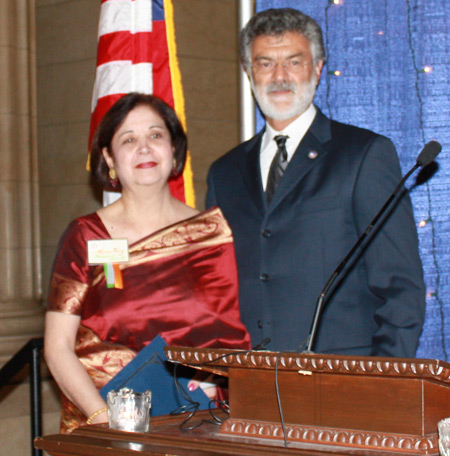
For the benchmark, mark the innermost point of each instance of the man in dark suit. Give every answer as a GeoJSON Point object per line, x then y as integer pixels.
{"type": "Point", "coordinates": [299, 194]}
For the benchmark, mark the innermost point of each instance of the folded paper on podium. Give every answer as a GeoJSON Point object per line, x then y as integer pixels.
{"type": "Point", "coordinates": [360, 403]}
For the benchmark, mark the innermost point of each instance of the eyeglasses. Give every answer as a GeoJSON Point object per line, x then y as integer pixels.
{"type": "Point", "coordinates": [264, 66]}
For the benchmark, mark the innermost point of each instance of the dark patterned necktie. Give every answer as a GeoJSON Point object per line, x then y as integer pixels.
{"type": "Point", "coordinates": [277, 168]}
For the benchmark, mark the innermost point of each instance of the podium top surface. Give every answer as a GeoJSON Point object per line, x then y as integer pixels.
{"type": "Point", "coordinates": [219, 361]}
{"type": "Point", "coordinates": [165, 438]}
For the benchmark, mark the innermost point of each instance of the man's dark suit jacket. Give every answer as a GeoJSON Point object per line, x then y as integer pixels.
{"type": "Point", "coordinates": [336, 182]}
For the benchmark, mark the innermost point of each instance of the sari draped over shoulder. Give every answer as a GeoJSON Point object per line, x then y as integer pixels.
{"type": "Point", "coordinates": [180, 282]}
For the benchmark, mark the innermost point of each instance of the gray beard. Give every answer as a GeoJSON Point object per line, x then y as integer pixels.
{"type": "Point", "coordinates": [299, 105]}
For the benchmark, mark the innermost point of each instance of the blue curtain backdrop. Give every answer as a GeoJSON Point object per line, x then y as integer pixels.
{"type": "Point", "coordinates": [388, 70]}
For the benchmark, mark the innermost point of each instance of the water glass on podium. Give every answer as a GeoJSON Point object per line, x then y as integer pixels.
{"type": "Point", "coordinates": [444, 437]}
{"type": "Point", "coordinates": [128, 410]}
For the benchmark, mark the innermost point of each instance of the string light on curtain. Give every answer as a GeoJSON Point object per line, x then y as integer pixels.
{"type": "Point", "coordinates": [423, 223]}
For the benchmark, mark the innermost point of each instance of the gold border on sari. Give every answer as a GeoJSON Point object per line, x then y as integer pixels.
{"type": "Point", "coordinates": [66, 295]}
{"type": "Point", "coordinates": [203, 230]}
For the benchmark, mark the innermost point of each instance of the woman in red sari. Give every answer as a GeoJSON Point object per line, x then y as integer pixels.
{"type": "Point", "coordinates": [180, 280]}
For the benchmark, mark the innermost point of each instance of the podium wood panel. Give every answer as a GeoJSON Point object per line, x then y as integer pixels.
{"type": "Point", "coordinates": [365, 403]}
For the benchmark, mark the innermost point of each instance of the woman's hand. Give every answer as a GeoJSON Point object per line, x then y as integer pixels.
{"type": "Point", "coordinates": [206, 384]}
{"type": "Point", "coordinates": [100, 418]}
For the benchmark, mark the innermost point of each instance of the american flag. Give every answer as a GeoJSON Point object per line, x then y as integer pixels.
{"type": "Point", "coordinates": [137, 53]}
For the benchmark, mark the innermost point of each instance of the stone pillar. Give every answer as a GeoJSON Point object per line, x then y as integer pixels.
{"type": "Point", "coordinates": [21, 315]}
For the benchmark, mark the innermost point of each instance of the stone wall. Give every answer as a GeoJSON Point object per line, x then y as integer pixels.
{"type": "Point", "coordinates": [48, 56]}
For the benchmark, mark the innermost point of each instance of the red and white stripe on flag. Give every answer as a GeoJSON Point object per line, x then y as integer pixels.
{"type": "Point", "coordinates": [137, 53]}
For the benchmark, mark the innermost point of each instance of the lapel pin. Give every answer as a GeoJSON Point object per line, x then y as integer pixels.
{"type": "Point", "coordinates": [312, 154]}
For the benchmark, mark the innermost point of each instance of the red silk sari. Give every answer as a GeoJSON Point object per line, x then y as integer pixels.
{"type": "Point", "coordinates": [180, 282]}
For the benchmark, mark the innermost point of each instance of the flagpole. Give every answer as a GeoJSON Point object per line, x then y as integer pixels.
{"type": "Point", "coordinates": [247, 105]}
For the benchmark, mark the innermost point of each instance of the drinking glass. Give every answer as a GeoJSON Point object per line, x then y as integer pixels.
{"type": "Point", "coordinates": [444, 437]}
{"type": "Point", "coordinates": [128, 410]}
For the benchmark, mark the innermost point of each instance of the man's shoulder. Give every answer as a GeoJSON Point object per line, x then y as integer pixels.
{"type": "Point", "coordinates": [346, 133]}
{"type": "Point", "coordinates": [234, 156]}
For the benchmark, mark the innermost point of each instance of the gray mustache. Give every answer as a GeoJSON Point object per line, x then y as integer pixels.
{"type": "Point", "coordinates": [275, 86]}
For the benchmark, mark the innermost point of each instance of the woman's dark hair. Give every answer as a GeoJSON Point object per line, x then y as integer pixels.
{"type": "Point", "coordinates": [113, 120]}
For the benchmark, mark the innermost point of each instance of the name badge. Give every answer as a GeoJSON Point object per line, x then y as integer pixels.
{"type": "Point", "coordinates": [104, 251]}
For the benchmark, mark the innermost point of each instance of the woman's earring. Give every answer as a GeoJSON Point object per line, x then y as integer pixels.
{"type": "Point", "coordinates": [113, 179]}
{"type": "Point", "coordinates": [174, 167]}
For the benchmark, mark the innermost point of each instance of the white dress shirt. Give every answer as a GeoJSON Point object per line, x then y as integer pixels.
{"type": "Point", "coordinates": [295, 131]}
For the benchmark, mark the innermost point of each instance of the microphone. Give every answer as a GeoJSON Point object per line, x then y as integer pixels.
{"type": "Point", "coordinates": [426, 156]}
{"type": "Point", "coordinates": [262, 344]}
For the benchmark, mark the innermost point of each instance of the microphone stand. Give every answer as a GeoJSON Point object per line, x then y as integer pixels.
{"type": "Point", "coordinates": [428, 154]}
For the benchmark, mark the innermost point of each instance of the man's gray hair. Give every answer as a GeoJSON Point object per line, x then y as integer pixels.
{"type": "Point", "coordinates": [276, 22]}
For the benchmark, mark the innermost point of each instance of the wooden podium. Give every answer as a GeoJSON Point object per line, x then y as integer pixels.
{"type": "Point", "coordinates": [332, 405]}
{"type": "Point", "coordinates": [357, 403]}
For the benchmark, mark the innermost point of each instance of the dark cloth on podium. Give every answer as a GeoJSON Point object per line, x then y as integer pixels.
{"type": "Point", "coordinates": [150, 370]}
